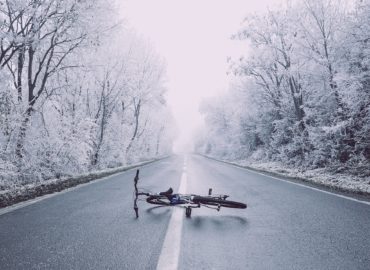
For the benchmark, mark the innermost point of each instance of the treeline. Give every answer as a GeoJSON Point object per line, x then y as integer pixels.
{"type": "Point", "coordinates": [301, 93]}
{"type": "Point", "coordinates": [78, 91]}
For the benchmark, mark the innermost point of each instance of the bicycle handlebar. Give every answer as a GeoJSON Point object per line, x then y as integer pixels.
{"type": "Point", "coordinates": [137, 193]}
{"type": "Point", "coordinates": [136, 179]}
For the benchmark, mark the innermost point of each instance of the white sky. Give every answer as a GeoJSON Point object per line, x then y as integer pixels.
{"type": "Point", "coordinates": [194, 38]}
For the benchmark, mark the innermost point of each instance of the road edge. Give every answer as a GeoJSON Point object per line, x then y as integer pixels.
{"type": "Point", "coordinates": [300, 180]}
{"type": "Point", "coordinates": [56, 185]}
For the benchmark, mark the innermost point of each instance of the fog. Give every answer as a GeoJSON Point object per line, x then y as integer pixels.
{"type": "Point", "coordinates": [194, 38]}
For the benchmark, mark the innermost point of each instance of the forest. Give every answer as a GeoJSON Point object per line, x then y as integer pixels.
{"type": "Point", "coordinates": [299, 97]}
{"type": "Point", "coordinates": [79, 92]}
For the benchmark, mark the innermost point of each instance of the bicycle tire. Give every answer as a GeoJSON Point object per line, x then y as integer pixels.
{"type": "Point", "coordinates": [158, 199]}
{"type": "Point", "coordinates": [219, 202]}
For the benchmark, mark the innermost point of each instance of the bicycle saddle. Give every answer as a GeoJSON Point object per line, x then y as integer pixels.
{"type": "Point", "coordinates": [167, 193]}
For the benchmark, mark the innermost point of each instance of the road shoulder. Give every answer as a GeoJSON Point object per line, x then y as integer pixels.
{"type": "Point", "coordinates": [354, 192]}
{"type": "Point", "coordinates": [29, 192]}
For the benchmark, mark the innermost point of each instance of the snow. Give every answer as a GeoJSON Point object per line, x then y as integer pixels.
{"type": "Point", "coordinates": [299, 106]}
{"type": "Point", "coordinates": [17, 193]}
{"type": "Point", "coordinates": [322, 176]}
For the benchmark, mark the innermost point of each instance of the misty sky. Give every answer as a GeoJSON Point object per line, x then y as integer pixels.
{"type": "Point", "coordinates": [194, 38]}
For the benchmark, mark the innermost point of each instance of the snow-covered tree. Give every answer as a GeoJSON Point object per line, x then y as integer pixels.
{"type": "Point", "coordinates": [303, 92]}
{"type": "Point", "coordinates": [78, 91]}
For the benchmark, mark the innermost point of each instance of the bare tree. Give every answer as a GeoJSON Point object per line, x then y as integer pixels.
{"type": "Point", "coordinates": [53, 33]}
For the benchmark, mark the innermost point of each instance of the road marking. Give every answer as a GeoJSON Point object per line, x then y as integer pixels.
{"type": "Point", "coordinates": [302, 185]}
{"type": "Point", "coordinates": [169, 257]}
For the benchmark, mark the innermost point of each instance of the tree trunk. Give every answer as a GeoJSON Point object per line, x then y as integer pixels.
{"type": "Point", "coordinates": [27, 115]}
{"type": "Point", "coordinates": [136, 115]}
{"type": "Point", "coordinates": [296, 93]}
{"type": "Point", "coordinates": [20, 71]}
{"type": "Point", "coordinates": [22, 134]}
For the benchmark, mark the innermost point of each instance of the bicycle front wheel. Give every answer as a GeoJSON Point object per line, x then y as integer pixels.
{"type": "Point", "coordinates": [158, 199]}
{"type": "Point", "coordinates": [219, 202]}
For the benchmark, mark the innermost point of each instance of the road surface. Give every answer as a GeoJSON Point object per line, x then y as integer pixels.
{"type": "Point", "coordinates": [286, 226]}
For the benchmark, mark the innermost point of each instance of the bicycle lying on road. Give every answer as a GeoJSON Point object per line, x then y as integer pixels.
{"type": "Point", "coordinates": [187, 201]}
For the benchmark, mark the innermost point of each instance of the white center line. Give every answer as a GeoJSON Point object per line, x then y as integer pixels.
{"type": "Point", "coordinates": [169, 257]}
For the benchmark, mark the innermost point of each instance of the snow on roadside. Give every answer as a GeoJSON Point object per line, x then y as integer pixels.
{"type": "Point", "coordinates": [26, 192]}
{"type": "Point", "coordinates": [319, 176]}
{"type": "Point", "coordinates": [338, 181]}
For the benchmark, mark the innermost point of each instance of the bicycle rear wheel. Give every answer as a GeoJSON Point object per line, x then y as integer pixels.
{"type": "Point", "coordinates": [219, 202]}
{"type": "Point", "coordinates": [158, 199]}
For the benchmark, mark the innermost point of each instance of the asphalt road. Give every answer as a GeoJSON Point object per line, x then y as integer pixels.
{"type": "Point", "coordinates": [285, 226]}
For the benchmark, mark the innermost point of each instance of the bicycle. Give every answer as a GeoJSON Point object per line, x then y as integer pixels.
{"type": "Point", "coordinates": [187, 201]}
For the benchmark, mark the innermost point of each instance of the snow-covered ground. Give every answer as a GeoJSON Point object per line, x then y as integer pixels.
{"type": "Point", "coordinates": [17, 193]}
{"type": "Point", "coordinates": [322, 176]}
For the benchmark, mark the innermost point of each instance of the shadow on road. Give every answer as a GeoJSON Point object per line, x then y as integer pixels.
{"type": "Point", "coordinates": [218, 222]}
{"type": "Point", "coordinates": [158, 212]}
